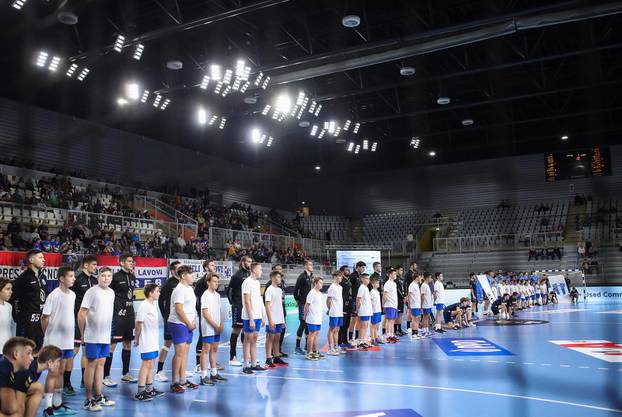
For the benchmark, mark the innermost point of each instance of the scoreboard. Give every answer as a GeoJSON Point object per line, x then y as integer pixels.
{"type": "Point", "coordinates": [582, 163]}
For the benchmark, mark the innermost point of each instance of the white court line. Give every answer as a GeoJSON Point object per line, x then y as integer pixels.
{"type": "Point", "coordinates": [564, 366]}
{"type": "Point", "coordinates": [584, 367]}
{"type": "Point", "coordinates": [603, 369]}
{"type": "Point", "coordinates": [546, 364]}
{"type": "Point", "coordinates": [199, 401]}
{"type": "Point", "coordinates": [527, 363]}
{"type": "Point", "coordinates": [510, 362]}
{"type": "Point", "coordinates": [469, 391]}
{"type": "Point", "coordinates": [475, 360]}
{"type": "Point", "coordinates": [459, 360]}
{"type": "Point", "coordinates": [315, 369]}
{"type": "Point", "coordinates": [492, 361]}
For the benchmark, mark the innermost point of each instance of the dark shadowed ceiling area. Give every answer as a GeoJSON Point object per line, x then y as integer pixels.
{"type": "Point", "coordinates": [524, 73]}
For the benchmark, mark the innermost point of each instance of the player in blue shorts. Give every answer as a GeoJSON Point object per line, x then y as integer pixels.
{"type": "Point", "coordinates": [212, 326]}
{"type": "Point", "coordinates": [414, 303]}
{"type": "Point", "coordinates": [334, 302]}
{"type": "Point", "coordinates": [439, 302]}
{"type": "Point", "coordinates": [427, 302]}
{"type": "Point", "coordinates": [376, 308]}
{"type": "Point", "coordinates": [363, 306]}
{"type": "Point", "coordinates": [252, 319]}
{"type": "Point", "coordinates": [147, 337]}
{"type": "Point", "coordinates": [95, 323]}
{"type": "Point", "coordinates": [276, 320]}
{"type": "Point", "coordinates": [58, 324]}
{"type": "Point", "coordinates": [390, 303]}
{"type": "Point", "coordinates": [313, 318]}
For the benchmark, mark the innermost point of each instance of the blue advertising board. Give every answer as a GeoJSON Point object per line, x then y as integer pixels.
{"type": "Point", "coordinates": [471, 347]}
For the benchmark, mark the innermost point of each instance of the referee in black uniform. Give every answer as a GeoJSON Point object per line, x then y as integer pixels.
{"type": "Point", "coordinates": [346, 294]}
{"type": "Point", "coordinates": [301, 290]}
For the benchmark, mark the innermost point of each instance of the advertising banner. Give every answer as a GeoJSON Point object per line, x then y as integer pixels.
{"type": "Point", "coordinates": [557, 283]}
{"type": "Point", "coordinates": [146, 270]}
{"type": "Point", "coordinates": [599, 349]}
{"type": "Point", "coordinates": [14, 263]}
{"type": "Point", "coordinates": [470, 347]}
{"type": "Point", "coordinates": [223, 268]}
{"type": "Point", "coordinates": [602, 295]}
{"type": "Point", "coordinates": [483, 280]}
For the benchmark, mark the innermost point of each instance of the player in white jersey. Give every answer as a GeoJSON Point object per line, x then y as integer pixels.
{"type": "Point", "coordinates": [147, 338]}
{"type": "Point", "coordinates": [439, 302]}
{"type": "Point", "coordinates": [427, 302]}
{"type": "Point", "coordinates": [414, 303]}
{"type": "Point", "coordinates": [252, 315]}
{"type": "Point", "coordinates": [58, 324]}
{"type": "Point", "coordinates": [334, 302]}
{"type": "Point", "coordinates": [275, 320]}
{"type": "Point", "coordinates": [313, 317]}
{"type": "Point", "coordinates": [95, 323]}
{"type": "Point", "coordinates": [376, 309]}
{"type": "Point", "coordinates": [390, 303]}
{"type": "Point", "coordinates": [212, 325]}
{"type": "Point", "coordinates": [6, 311]}
{"type": "Point", "coordinates": [364, 309]}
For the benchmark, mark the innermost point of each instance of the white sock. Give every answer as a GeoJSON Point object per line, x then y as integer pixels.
{"type": "Point", "coordinates": [203, 373]}
{"type": "Point", "coordinates": [214, 371]}
{"type": "Point", "coordinates": [47, 398]}
{"type": "Point", "coordinates": [57, 397]}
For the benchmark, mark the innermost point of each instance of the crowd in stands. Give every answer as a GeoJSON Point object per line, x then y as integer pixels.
{"type": "Point", "coordinates": [550, 253]}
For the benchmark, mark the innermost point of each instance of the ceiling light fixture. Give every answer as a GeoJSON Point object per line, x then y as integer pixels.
{"type": "Point", "coordinates": [357, 149]}
{"type": "Point", "coordinates": [71, 70]}
{"type": "Point", "coordinates": [415, 141]}
{"type": "Point", "coordinates": [365, 144]}
{"type": "Point", "coordinates": [468, 122]}
{"type": "Point", "coordinates": [223, 121]}
{"type": "Point", "coordinates": [565, 137]}
{"type": "Point", "coordinates": [350, 146]}
{"type": "Point", "coordinates": [202, 116]}
{"type": "Point", "coordinates": [407, 71]}
{"type": "Point", "coordinates": [317, 167]}
{"type": "Point", "coordinates": [432, 153]}
{"type": "Point", "coordinates": [118, 43]}
{"type": "Point", "coordinates": [54, 64]}
{"type": "Point", "coordinates": [215, 72]}
{"type": "Point", "coordinates": [132, 91]}
{"type": "Point", "coordinates": [374, 146]}
{"type": "Point", "coordinates": [443, 101]}
{"type": "Point", "coordinates": [18, 4]}
{"type": "Point", "coordinates": [314, 130]}
{"type": "Point", "coordinates": [165, 104]}
{"type": "Point", "coordinates": [138, 51]}
{"type": "Point", "coordinates": [204, 82]}
{"type": "Point", "coordinates": [145, 96]}
{"type": "Point", "coordinates": [156, 101]}
{"type": "Point", "coordinates": [83, 74]}
{"type": "Point", "coordinates": [42, 59]}
{"type": "Point", "coordinates": [351, 21]}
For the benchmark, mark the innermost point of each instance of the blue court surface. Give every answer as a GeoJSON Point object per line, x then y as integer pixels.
{"type": "Point", "coordinates": [516, 370]}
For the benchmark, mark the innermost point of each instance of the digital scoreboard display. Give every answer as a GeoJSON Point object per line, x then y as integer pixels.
{"type": "Point", "coordinates": [582, 163]}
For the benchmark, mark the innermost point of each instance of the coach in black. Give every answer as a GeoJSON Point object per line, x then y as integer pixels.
{"type": "Point", "coordinates": [29, 294]}
{"type": "Point", "coordinates": [234, 295]}
{"type": "Point", "coordinates": [346, 294]}
{"type": "Point", "coordinates": [301, 290]}
{"type": "Point", "coordinates": [123, 284]}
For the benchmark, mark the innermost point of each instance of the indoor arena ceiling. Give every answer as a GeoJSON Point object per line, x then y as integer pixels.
{"type": "Point", "coordinates": [518, 75]}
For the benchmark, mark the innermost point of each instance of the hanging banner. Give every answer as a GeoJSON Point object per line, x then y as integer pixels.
{"type": "Point", "coordinates": [146, 270]}
{"type": "Point", "coordinates": [223, 268]}
{"type": "Point", "coordinates": [557, 283]}
{"type": "Point", "coordinates": [483, 281]}
{"type": "Point", "coordinates": [12, 264]}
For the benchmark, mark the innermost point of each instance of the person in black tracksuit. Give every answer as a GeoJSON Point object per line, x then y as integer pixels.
{"type": "Point", "coordinates": [399, 281]}
{"type": "Point", "coordinates": [346, 294]}
{"type": "Point", "coordinates": [301, 290]}
{"type": "Point", "coordinates": [408, 279]}
{"type": "Point", "coordinates": [84, 280]}
{"type": "Point", "coordinates": [123, 319]}
{"type": "Point", "coordinates": [199, 288]}
{"type": "Point", "coordinates": [283, 287]}
{"type": "Point", "coordinates": [29, 295]}
{"type": "Point", "coordinates": [234, 295]}
{"type": "Point", "coordinates": [164, 302]}
{"type": "Point", "coordinates": [355, 283]}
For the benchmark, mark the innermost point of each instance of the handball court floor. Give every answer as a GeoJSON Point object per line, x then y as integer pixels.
{"type": "Point", "coordinates": [539, 378]}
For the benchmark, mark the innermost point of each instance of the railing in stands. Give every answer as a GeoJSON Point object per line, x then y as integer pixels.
{"type": "Point", "coordinates": [497, 242]}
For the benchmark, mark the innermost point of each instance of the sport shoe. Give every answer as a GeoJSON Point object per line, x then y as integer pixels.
{"type": "Point", "coordinates": [299, 351]}
{"type": "Point", "coordinates": [69, 391]}
{"type": "Point", "coordinates": [218, 378]}
{"type": "Point", "coordinates": [48, 412]}
{"type": "Point", "coordinates": [177, 388]}
{"type": "Point", "coordinates": [143, 396]}
{"type": "Point", "coordinates": [280, 362]}
{"type": "Point", "coordinates": [235, 362]}
{"type": "Point", "coordinates": [247, 370]}
{"type": "Point", "coordinates": [190, 385]}
{"type": "Point", "coordinates": [258, 367]}
{"type": "Point", "coordinates": [472, 325]}
{"type": "Point", "coordinates": [319, 355]}
{"type": "Point", "coordinates": [109, 382]}
{"type": "Point", "coordinates": [91, 405]}
{"type": "Point", "coordinates": [154, 393]}
{"type": "Point", "coordinates": [128, 379]}
{"type": "Point", "coordinates": [310, 357]}
{"type": "Point", "coordinates": [439, 330]}
{"type": "Point", "coordinates": [63, 410]}
{"type": "Point", "coordinates": [283, 355]}
{"type": "Point", "coordinates": [104, 402]}
{"type": "Point", "coordinates": [332, 352]}
{"type": "Point", "coordinates": [206, 380]}
{"type": "Point", "coordinates": [161, 377]}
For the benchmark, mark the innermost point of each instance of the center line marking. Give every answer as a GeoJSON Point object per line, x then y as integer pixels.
{"type": "Point", "coordinates": [546, 364]}
{"type": "Point", "coordinates": [584, 367]}
{"type": "Point", "coordinates": [527, 363]}
{"type": "Point", "coordinates": [510, 362]}
{"type": "Point", "coordinates": [493, 361]}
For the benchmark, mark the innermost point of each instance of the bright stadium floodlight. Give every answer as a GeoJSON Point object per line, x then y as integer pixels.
{"type": "Point", "coordinates": [145, 96]}
{"type": "Point", "coordinates": [202, 116]}
{"type": "Point", "coordinates": [18, 4]}
{"type": "Point", "coordinates": [218, 87]}
{"type": "Point", "coordinates": [312, 107]}
{"type": "Point", "coordinates": [255, 135]}
{"type": "Point", "coordinates": [346, 125]}
{"type": "Point", "coordinates": [374, 146]}
{"type": "Point", "coordinates": [236, 85]}
{"type": "Point", "coordinates": [223, 121]}
{"type": "Point", "coordinates": [138, 51]}
{"type": "Point", "coordinates": [226, 91]}
{"type": "Point", "coordinates": [54, 63]}
{"type": "Point", "coordinates": [365, 144]}
{"type": "Point", "coordinates": [42, 59]}
{"type": "Point", "coordinates": [263, 138]}
{"type": "Point", "coordinates": [118, 43]}
{"type": "Point", "coordinates": [228, 75]}
{"type": "Point", "coordinates": [283, 104]}
{"type": "Point", "coordinates": [245, 87]}
{"type": "Point", "coordinates": [301, 98]}
{"type": "Point", "coordinates": [215, 72]}
{"type": "Point", "coordinates": [132, 91]}
{"type": "Point", "coordinates": [212, 120]}
{"type": "Point", "coordinates": [270, 139]}
{"type": "Point", "coordinates": [357, 126]}
{"type": "Point", "coordinates": [322, 133]}
{"type": "Point", "coordinates": [258, 79]}
{"type": "Point", "coordinates": [204, 82]}
{"type": "Point", "coordinates": [246, 74]}
{"type": "Point", "coordinates": [266, 110]}
{"type": "Point", "coordinates": [122, 102]}
{"type": "Point", "coordinates": [83, 74]}
{"type": "Point", "coordinates": [317, 110]}
{"type": "Point", "coordinates": [357, 149]}
{"type": "Point", "coordinates": [239, 68]}
{"type": "Point", "coordinates": [350, 146]}
{"type": "Point", "coordinates": [72, 68]}
{"type": "Point", "coordinates": [330, 127]}
{"type": "Point", "coordinates": [337, 131]}
{"type": "Point", "coordinates": [314, 130]}
{"type": "Point", "coordinates": [165, 104]}
{"type": "Point", "coordinates": [265, 83]}
{"type": "Point", "coordinates": [156, 101]}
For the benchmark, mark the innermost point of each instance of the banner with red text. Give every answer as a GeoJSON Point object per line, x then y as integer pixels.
{"type": "Point", "coordinates": [12, 264]}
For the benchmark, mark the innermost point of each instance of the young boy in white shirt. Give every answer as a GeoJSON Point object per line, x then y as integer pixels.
{"type": "Point", "coordinates": [147, 337]}
{"type": "Point", "coordinates": [95, 323]}
{"type": "Point", "coordinates": [6, 311]}
{"type": "Point", "coordinates": [276, 319]}
{"type": "Point", "coordinates": [439, 302]}
{"type": "Point", "coordinates": [334, 302]}
{"type": "Point", "coordinates": [376, 309]}
{"type": "Point", "coordinates": [212, 325]}
{"type": "Point", "coordinates": [427, 302]}
{"type": "Point", "coordinates": [363, 306]}
{"type": "Point", "coordinates": [181, 324]}
{"type": "Point", "coordinates": [313, 318]}
{"type": "Point", "coordinates": [252, 314]}
{"type": "Point", "coordinates": [414, 303]}
{"type": "Point", "coordinates": [389, 300]}
{"type": "Point", "coordinates": [58, 324]}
